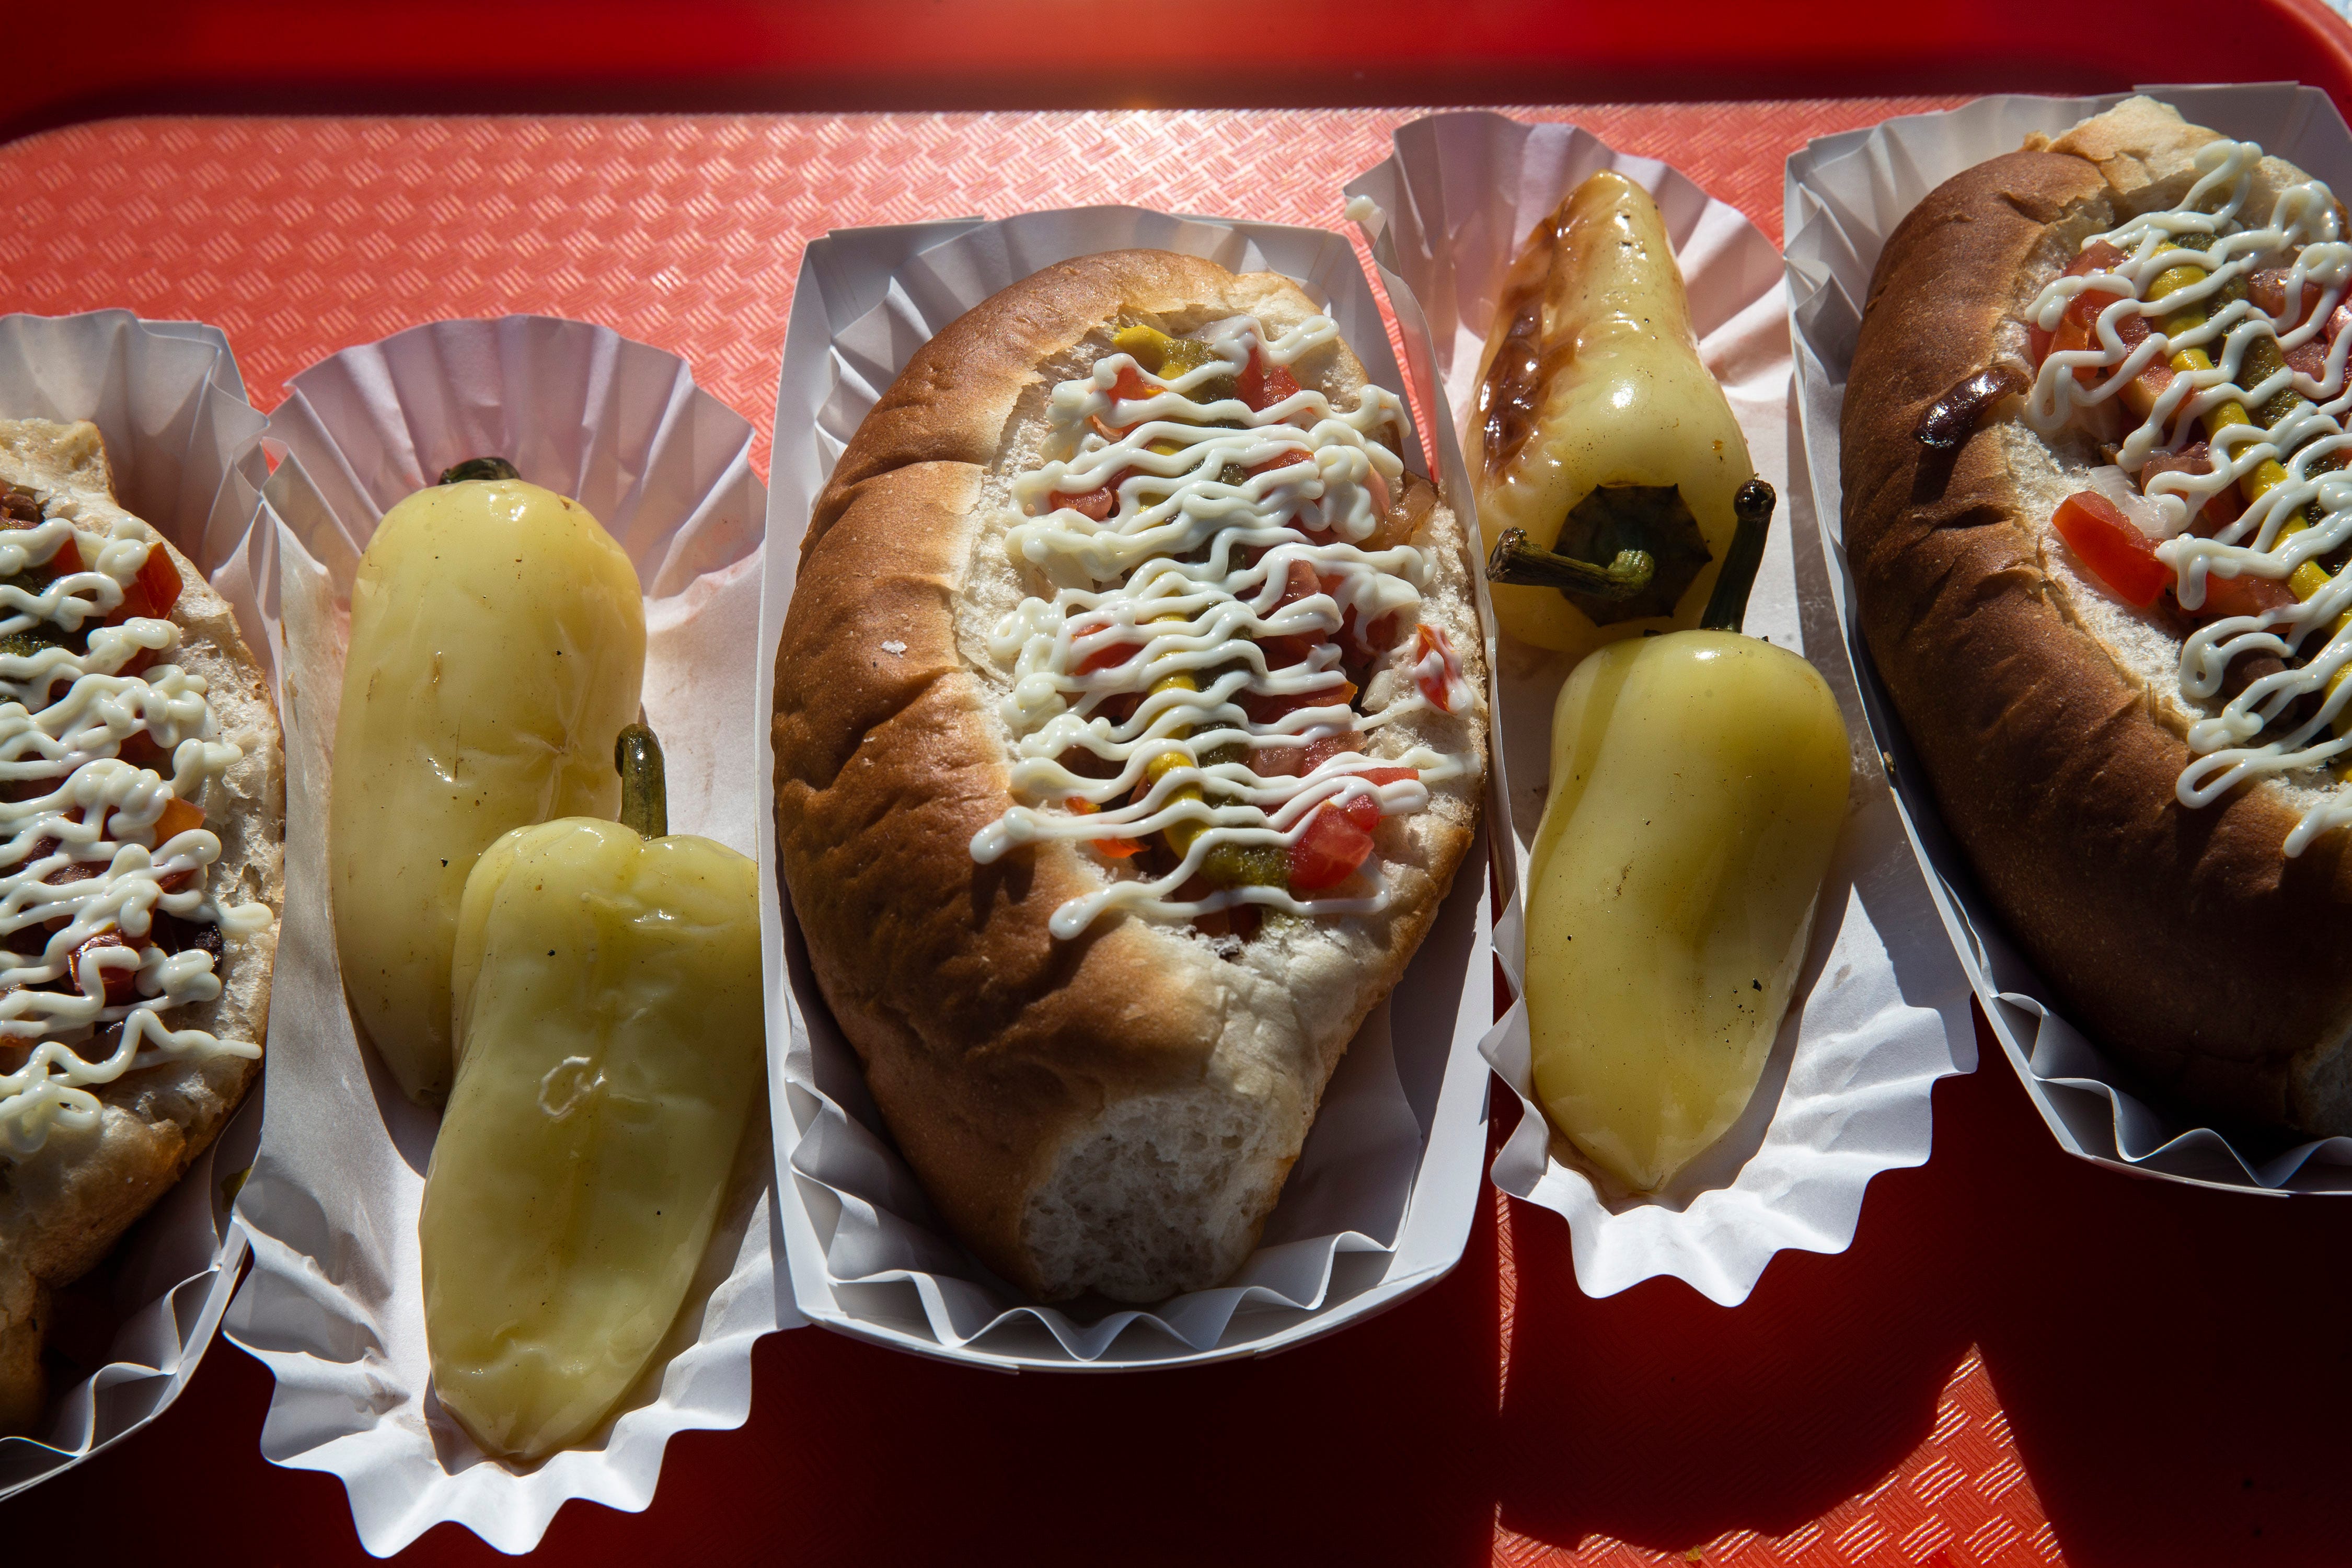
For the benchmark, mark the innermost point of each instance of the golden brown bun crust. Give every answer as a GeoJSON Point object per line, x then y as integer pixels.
{"type": "Point", "coordinates": [2185, 942]}
{"type": "Point", "coordinates": [986, 1040]}
{"type": "Point", "coordinates": [63, 1207]}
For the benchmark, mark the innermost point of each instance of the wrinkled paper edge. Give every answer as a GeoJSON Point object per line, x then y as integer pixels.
{"type": "Point", "coordinates": [333, 1305]}
{"type": "Point", "coordinates": [1879, 1013]}
{"type": "Point", "coordinates": [814, 1074]}
{"type": "Point", "coordinates": [171, 403]}
{"type": "Point", "coordinates": [1844, 196]}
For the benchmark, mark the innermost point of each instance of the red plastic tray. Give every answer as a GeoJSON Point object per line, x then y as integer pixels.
{"type": "Point", "coordinates": [2022, 1359]}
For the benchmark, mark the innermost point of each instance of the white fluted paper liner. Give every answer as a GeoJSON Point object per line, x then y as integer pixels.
{"type": "Point", "coordinates": [1844, 195]}
{"type": "Point", "coordinates": [1379, 1205]}
{"type": "Point", "coordinates": [169, 399]}
{"type": "Point", "coordinates": [1880, 1011]}
{"type": "Point", "coordinates": [334, 1305]}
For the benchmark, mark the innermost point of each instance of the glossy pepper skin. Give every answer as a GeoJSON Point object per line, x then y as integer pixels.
{"type": "Point", "coordinates": [609, 1051]}
{"type": "Point", "coordinates": [1596, 351]}
{"type": "Point", "coordinates": [497, 646]}
{"type": "Point", "coordinates": [1699, 781]}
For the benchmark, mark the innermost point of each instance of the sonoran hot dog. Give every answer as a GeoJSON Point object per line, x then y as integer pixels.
{"type": "Point", "coordinates": [1129, 728]}
{"type": "Point", "coordinates": [141, 850]}
{"type": "Point", "coordinates": [2111, 611]}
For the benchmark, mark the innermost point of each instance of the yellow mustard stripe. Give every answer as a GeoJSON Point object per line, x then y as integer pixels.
{"type": "Point", "coordinates": [2310, 577]}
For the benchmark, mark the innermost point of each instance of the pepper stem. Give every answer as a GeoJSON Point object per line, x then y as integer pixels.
{"type": "Point", "coordinates": [1518, 559]}
{"type": "Point", "coordinates": [644, 798]}
{"type": "Point", "coordinates": [1728, 606]}
{"type": "Point", "coordinates": [478, 469]}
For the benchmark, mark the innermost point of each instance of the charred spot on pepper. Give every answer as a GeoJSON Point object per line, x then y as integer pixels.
{"type": "Point", "coordinates": [478, 469]}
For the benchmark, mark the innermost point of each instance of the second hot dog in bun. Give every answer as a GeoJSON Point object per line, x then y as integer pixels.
{"type": "Point", "coordinates": [2091, 443]}
{"type": "Point", "coordinates": [1129, 728]}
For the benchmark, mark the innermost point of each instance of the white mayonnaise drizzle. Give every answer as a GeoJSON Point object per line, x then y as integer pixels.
{"type": "Point", "coordinates": [2303, 232]}
{"type": "Point", "coordinates": [92, 819]}
{"type": "Point", "coordinates": [1170, 573]}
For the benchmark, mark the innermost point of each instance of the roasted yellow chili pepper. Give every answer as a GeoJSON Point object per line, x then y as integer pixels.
{"type": "Point", "coordinates": [610, 1050]}
{"type": "Point", "coordinates": [1699, 781]}
{"type": "Point", "coordinates": [497, 646]}
{"type": "Point", "coordinates": [1598, 432]}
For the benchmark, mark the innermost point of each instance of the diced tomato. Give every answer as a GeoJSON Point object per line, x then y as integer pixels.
{"type": "Point", "coordinates": [1117, 848]}
{"type": "Point", "coordinates": [1296, 762]}
{"type": "Point", "coordinates": [2096, 257]}
{"type": "Point", "coordinates": [161, 579]}
{"type": "Point", "coordinates": [1330, 746]}
{"type": "Point", "coordinates": [2153, 377]}
{"type": "Point", "coordinates": [2267, 289]}
{"type": "Point", "coordinates": [1096, 505]}
{"type": "Point", "coordinates": [179, 816]}
{"type": "Point", "coordinates": [1364, 810]}
{"type": "Point", "coordinates": [1282, 652]}
{"type": "Point", "coordinates": [2310, 356]}
{"type": "Point", "coordinates": [1262, 386]}
{"type": "Point", "coordinates": [1106, 656]}
{"type": "Point", "coordinates": [1329, 851]}
{"type": "Point", "coordinates": [1289, 460]}
{"type": "Point", "coordinates": [68, 559]}
{"type": "Point", "coordinates": [2118, 553]}
{"type": "Point", "coordinates": [2078, 329]}
{"type": "Point", "coordinates": [1268, 708]}
{"type": "Point", "coordinates": [1299, 582]}
{"type": "Point", "coordinates": [1436, 666]}
{"type": "Point", "coordinates": [1387, 776]}
{"type": "Point", "coordinates": [2100, 257]}
{"type": "Point", "coordinates": [152, 594]}
{"type": "Point", "coordinates": [2245, 596]}
{"type": "Point", "coordinates": [121, 984]}
{"type": "Point", "coordinates": [1131, 387]}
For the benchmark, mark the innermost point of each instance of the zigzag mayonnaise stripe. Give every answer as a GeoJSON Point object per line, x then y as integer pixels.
{"type": "Point", "coordinates": [1216, 504]}
{"type": "Point", "coordinates": [86, 873]}
{"type": "Point", "coordinates": [2306, 517]}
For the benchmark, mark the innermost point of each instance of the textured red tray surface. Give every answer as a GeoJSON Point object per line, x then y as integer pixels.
{"type": "Point", "coordinates": [2022, 1359]}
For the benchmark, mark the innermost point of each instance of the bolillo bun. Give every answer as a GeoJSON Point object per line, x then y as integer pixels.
{"type": "Point", "coordinates": [1115, 1112]}
{"type": "Point", "coordinates": [2204, 960]}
